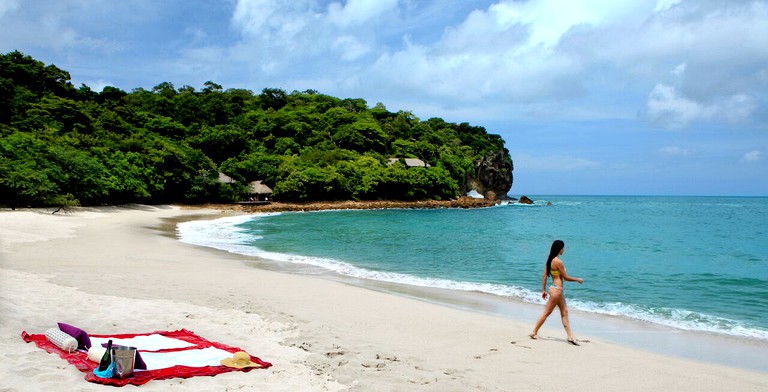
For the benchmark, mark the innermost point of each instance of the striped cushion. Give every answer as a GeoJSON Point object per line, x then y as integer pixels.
{"type": "Point", "coordinates": [61, 340]}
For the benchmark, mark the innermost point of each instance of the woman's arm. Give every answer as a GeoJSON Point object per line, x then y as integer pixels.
{"type": "Point", "coordinates": [567, 277]}
{"type": "Point", "coordinates": [544, 284]}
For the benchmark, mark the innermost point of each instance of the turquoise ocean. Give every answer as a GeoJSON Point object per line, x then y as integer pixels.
{"type": "Point", "coordinates": [688, 263]}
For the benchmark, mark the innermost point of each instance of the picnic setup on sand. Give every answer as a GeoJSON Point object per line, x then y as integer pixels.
{"type": "Point", "coordinates": [137, 358]}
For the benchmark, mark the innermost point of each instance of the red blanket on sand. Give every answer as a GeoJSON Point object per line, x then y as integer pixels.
{"type": "Point", "coordinates": [139, 377]}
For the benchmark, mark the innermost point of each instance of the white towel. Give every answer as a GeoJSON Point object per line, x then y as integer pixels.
{"type": "Point", "coordinates": [152, 342]}
{"type": "Point", "coordinates": [210, 356]}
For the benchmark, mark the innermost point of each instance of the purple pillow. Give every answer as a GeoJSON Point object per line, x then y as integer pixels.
{"type": "Point", "coordinates": [139, 363]}
{"type": "Point", "coordinates": [83, 341]}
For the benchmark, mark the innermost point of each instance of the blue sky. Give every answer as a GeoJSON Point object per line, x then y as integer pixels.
{"type": "Point", "coordinates": [666, 97]}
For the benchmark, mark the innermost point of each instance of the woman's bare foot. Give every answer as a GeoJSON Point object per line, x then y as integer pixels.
{"type": "Point", "coordinates": [572, 341]}
{"type": "Point", "coordinates": [533, 336]}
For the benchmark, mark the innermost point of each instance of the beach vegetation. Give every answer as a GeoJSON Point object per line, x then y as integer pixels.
{"type": "Point", "coordinates": [61, 144]}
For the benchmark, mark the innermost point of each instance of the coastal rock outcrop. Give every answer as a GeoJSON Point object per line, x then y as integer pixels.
{"type": "Point", "coordinates": [492, 177]}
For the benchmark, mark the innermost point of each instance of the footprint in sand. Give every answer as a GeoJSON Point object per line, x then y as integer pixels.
{"type": "Point", "coordinates": [420, 382]}
{"type": "Point", "coordinates": [492, 350]}
{"type": "Point", "coordinates": [304, 346]}
{"type": "Point", "coordinates": [513, 342]}
{"type": "Point", "coordinates": [387, 358]}
{"type": "Point", "coordinates": [334, 354]}
{"type": "Point", "coordinates": [368, 365]}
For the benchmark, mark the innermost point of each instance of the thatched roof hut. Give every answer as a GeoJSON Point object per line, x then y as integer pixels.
{"type": "Point", "coordinates": [257, 193]}
{"type": "Point", "coordinates": [259, 189]}
{"type": "Point", "coordinates": [225, 179]}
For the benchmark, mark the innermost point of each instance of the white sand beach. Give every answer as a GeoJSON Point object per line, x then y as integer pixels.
{"type": "Point", "coordinates": [117, 270]}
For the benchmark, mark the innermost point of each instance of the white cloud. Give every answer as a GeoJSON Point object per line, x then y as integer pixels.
{"type": "Point", "coordinates": [95, 85]}
{"type": "Point", "coordinates": [719, 44]}
{"type": "Point", "coordinates": [356, 12]}
{"type": "Point", "coordinates": [56, 26]}
{"type": "Point", "coordinates": [285, 38]}
{"type": "Point", "coordinates": [737, 108]}
{"type": "Point", "coordinates": [668, 108]}
{"type": "Point", "coordinates": [350, 47]}
{"type": "Point", "coordinates": [195, 34]}
{"type": "Point", "coordinates": [48, 31]}
{"type": "Point", "coordinates": [507, 52]}
{"type": "Point", "coordinates": [674, 151]}
{"type": "Point", "coordinates": [548, 21]}
{"type": "Point", "coordinates": [522, 53]}
{"type": "Point", "coordinates": [664, 5]}
{"type": "Point", "coordinates": [250, 16]}
{"type": "Point", "coordinates": [679, 70]}
{"type": "Point", "coordinates": [7, 6]}
{"type": "Point", "coordinates": [752, 156]}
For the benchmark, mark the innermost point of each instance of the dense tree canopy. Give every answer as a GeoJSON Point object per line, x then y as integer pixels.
{"type": "Point", "coordinates": [65, 145]}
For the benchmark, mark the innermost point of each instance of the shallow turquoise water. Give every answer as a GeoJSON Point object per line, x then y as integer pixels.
{"type": "Point", "coordinates": [695, 263]}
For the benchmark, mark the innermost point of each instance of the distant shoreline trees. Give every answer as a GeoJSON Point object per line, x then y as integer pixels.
{"type": "Point", "coordinates": [61, 145]}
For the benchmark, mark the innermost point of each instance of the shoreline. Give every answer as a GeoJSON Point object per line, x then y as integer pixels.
{"type": "Point", "coordinates": [319, 333]}
{"type": "Point", "coordinates": [462, 202]}
{"type": "Point", "coordinates": [712, 347]}
{"type": "Point", "coordinates": [709, 347]}
{"type": "Point", "coordinates": [646, 335]}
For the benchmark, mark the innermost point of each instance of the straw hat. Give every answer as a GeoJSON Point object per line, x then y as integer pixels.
{"type": "Point", "coordinates": [239, 360]}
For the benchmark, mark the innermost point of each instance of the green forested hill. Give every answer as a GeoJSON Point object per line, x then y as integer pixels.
{"type": "Point", "coordinates": [62, 145]}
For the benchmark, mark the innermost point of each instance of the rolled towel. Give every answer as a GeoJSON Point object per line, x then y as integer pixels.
{"type": "Point", "coordinates": [61, 340]}
{"type": "Point", "coordinates": [95, 353]}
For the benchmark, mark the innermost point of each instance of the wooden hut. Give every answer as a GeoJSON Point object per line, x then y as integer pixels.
{"type": "Point", "coordinates": [259, 192]}
{"type": "Point", "coordinates": [225, 179]}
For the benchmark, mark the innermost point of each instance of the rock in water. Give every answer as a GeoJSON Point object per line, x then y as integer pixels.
{"type": "Point", "coordinates": [525, 200]}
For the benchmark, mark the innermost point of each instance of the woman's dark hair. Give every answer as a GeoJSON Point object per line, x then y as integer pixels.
{"type": "Point", "coordinates": [557, 246]}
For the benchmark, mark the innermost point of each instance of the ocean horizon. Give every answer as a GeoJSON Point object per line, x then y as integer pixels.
{"type": "Point", "coordinates": [693, 263]}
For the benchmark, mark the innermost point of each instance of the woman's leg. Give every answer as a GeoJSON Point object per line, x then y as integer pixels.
{"type": "Point", "coordinates": [564, 316]}
{"type": "Point", "coordinates": [548, 308]}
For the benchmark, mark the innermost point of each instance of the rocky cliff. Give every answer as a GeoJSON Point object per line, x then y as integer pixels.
{"type": "Point", "coordinates": [492, 177]}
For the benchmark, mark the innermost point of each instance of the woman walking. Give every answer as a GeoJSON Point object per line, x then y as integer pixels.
{"type": "Point", "coordinates": [556, 269]}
